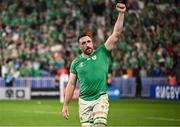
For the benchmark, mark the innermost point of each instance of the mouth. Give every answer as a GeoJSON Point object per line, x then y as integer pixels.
{"type": "Point", "coordinates": [88, 49]}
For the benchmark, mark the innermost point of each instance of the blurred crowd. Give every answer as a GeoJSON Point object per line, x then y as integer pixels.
{"type": "Point", "coordinates": [39, 37]}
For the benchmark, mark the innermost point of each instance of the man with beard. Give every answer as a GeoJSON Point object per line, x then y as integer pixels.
{"type": "Point", "coordinates": [91, 69]}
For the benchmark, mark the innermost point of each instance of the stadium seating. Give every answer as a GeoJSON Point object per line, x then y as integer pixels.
{"type": "Point", "coordinates": [38, 37]}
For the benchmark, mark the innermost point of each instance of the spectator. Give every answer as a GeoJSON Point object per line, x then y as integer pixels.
{"type": "Point", "coordinates": [46, 29]}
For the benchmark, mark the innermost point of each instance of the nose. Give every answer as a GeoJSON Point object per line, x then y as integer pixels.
{"type": "Point", "coordinates": [87, 44]}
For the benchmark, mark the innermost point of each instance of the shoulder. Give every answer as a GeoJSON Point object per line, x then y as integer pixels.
{"type": "Point", "coordinates": [102, 48]}
{"type": "Point", "coordinates": [77, 59]}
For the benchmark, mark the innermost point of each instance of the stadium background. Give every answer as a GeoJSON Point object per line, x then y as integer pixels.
{"type": "Point", "coordinates": [38, 41]}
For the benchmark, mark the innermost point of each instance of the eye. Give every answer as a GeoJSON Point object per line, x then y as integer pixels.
{"type": "Point", "coordinates": [83, 42]}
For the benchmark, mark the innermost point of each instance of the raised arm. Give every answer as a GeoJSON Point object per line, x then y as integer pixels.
{"type": "Point", "coordinates": [113, 39]}
{"type": "Point", "coordinates": [68, 94]}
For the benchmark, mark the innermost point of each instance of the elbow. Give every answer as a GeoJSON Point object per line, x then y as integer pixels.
{"type": "Point", "coordinates": [117, 33]}
{"type": "Point", "coordinates": [116, 36]}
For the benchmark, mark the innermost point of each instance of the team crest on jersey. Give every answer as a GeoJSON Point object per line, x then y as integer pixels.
{"type": "Point", "coordinates": [94, 57]}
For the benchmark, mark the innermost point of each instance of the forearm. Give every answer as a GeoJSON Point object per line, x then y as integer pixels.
{"type": "Point", "coordinates": [69, 93]}
{"type": "Point", "coordinates": [112, 41]}
{"type": "Point", "coordinates": [118, 27]}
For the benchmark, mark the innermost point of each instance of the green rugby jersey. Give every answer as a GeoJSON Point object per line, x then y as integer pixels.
{"type": "Point", "coordinates": [92, 73]}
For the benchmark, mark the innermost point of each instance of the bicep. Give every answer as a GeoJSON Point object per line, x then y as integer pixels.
{"type": "Point", "coordinates": [111, 42]}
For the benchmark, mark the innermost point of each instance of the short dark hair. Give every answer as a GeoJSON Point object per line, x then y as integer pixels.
{"type": "Point", "coordinates": [82, 35]}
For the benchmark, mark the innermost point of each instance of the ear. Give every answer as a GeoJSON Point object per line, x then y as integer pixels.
{"type": "Point", "coordinates": [79, 46]}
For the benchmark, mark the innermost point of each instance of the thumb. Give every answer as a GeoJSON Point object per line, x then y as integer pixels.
{"type": "Point", "coordinates": [65, 113]}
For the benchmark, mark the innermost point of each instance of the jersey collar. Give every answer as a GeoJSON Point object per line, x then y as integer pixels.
{"type": "Point", "coordinates": [86, 56]}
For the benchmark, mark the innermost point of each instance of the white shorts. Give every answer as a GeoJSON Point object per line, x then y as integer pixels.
{"type": "Point", "coordinates": [94, 112]}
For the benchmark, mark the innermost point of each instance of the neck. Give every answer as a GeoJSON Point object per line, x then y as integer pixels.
{"type": "Point", "coordinates": [86, 55]}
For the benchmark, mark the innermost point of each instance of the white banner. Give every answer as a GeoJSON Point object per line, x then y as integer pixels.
{"type": "Point", "coordinates": [13, 93]}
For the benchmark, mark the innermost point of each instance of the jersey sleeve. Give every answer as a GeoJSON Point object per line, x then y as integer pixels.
{"type": "Point", "coordinates": [105, 53]}
{"type": "Point", "coordinates": [72, 68]}
{"type": "Point", "coordinates": [108, 53]}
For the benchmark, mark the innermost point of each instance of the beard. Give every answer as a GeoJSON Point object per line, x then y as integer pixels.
{"type": "Point", "coordinates": [88, 51]}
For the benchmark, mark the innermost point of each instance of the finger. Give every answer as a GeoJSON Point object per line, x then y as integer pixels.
{"type": "Point", "coordinates": [121, 8]}
{"type": "Point", "coordinates": [65, 114]}
{"type": "Point", "coordinates": [121, 5]}
{"type": "Point", "coordinates": [66, 117]}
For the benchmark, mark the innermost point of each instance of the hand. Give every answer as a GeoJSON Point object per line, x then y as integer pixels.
{"type": "Point", "coordinates": [65, 112]}
{"type": "Point", "coordinates": [121, 7]}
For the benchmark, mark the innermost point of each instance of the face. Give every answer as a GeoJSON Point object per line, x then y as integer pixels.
{"type": "Point", "coordinates": [86, 45]}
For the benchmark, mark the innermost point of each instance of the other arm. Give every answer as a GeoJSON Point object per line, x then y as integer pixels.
{"type": "Point", "coordinates": [68, 94]}
{"type": "Point", "coordinates": [113, 39]}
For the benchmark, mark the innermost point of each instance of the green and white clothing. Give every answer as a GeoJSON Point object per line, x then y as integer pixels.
{"type": "Point", "coordinates": [92, 73]}
{"type": "Point", "coordinates": [94, 112]}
